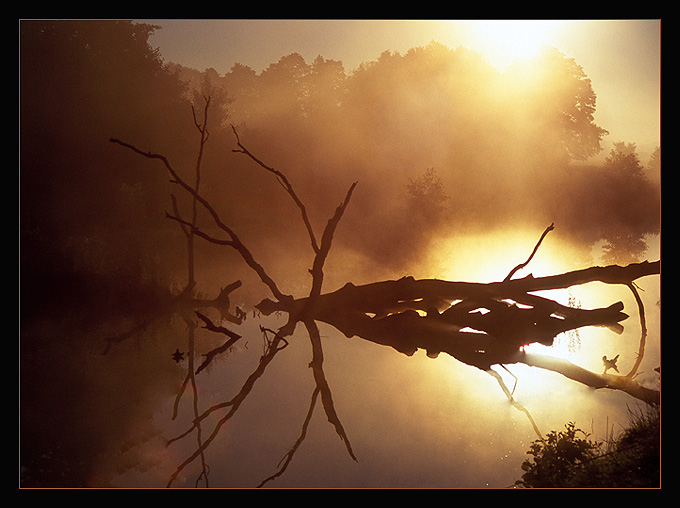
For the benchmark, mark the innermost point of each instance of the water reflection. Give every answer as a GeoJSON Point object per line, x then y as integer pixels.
{"type": "Point", "coordinates": [110, 417]}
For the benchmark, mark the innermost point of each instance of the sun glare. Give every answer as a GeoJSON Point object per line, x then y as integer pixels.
{"type": "Point", "coordinates": [489, 257]}
{"type": "Point", "coordinates": [504, 41]}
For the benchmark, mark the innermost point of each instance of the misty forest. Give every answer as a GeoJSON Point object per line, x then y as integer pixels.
{"type": "Point", "coordinates": [252, 278]}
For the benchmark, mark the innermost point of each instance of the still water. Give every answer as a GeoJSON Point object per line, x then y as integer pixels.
{"type": "Point", "coordinates": [412, 421]}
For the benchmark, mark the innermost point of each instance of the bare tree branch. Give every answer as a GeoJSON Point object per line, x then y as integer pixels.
{"type": "Point", "coordinates": [203, 131]}
{"type": "Point", "coordinates": [287, 459]}
{"type": "Point", "coordinates": [533, 253]}
{"type": "Point", "coordinates": [514, 402]}
{"type": "Point", "coordinates": [191, 282]}
{"type": "Point", "coordinates": [403, 294]}
{"type": "Point", "coordinates": [643, 330]}
{"type": "Point", "coordinates": [235, 242]}
{"type": "Point", "coordinates": [320, 378]}
{"type": "Point", "coordinates": [326, 240]}
{"type": "Point", "coordinates": [191, 229]}
{"type": "Point", "coordinates": [383, 313]}
{"type": "Point", "coordinates": [593, 379]}
{"type": "Point", "coordinates": [191, 379]}
{"type": "Point", "coordinates": [321, 253]}
{"type": "Point", "coordinates": [233, 338]}
{"type": "Point", "coordinates": [233, 405]}
{"type": "Point", "coordinates": [283, 180]}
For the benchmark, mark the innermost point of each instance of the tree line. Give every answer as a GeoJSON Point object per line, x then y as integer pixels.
{"type": "Point", "coordinates": [429, 134]}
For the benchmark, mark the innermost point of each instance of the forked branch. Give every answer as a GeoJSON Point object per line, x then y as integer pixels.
{"type": "Point", "coordinates": [303, 313]}
{"type": "Point", "coordinates": [321, 251]}
{"type": "Point", "coordinates": [277, 344]}
{"type": "Point", "coordinates": [233, 241]}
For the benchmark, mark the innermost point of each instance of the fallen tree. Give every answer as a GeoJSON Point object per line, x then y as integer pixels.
{"type": "Point", "coordinates": [481, 325]}
{"type": "Point", "coordinates": [478, 324]}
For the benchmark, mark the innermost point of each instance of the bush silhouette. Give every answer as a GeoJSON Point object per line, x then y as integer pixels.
{"type": "Point", "coordinates": [570, 459]}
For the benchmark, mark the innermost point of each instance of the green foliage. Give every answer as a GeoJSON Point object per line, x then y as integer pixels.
{"type": "Point", "coordinates": [558, 458]}
{"type": "Point", "coordinates": [570, 459]}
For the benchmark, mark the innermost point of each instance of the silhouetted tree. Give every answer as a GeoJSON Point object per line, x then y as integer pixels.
{"type": "Point", "coordinates": [81, 81]}
{"type": "Point", "coordinates": [654, 164]}
{"type": "Point", "coordinates": [89, 236]}
{"type": "Point", "coordinates": [558, 96]}
{"type": "Point", "coordinates": [504, 141]}
{"type": "Point", "coordinates": [426, 199]}
{"type": "Point", "coordinates": [626, 174]}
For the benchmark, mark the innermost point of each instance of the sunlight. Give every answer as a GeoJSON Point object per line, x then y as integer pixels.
{"type": "Point", "coordinates": [489, 257]}
{"type": "Point", "coordinates": [504, 41]}
{"type": "Point", "coordinates": [557, 350]}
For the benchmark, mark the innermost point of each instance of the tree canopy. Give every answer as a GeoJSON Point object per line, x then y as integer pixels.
{"type": "Point", "coordinates": [508, 144]}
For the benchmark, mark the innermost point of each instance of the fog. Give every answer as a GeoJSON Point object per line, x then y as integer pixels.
{"type": "Point", "coordinates": [499, 145]}
{"type": "Point", "coordinates": [460, 167]}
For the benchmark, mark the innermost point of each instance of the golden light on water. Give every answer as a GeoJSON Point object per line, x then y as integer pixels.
{"type": "Point", "coordinates": [478, 104]}
{"type": "Point", "coordinates": [489, 257]}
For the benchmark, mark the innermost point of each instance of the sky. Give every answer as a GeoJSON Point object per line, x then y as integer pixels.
{"type": "Point", "coordinates": [621, 57]}
{"type": "Point", "coordinates": [416, 421]}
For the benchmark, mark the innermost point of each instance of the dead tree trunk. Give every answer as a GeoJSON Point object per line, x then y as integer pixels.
{"type": "Point", "coordinates": [478, 324]}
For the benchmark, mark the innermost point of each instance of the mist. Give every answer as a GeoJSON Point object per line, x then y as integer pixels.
{"type": "Point", "coordinates": [450, 155]}
{"type": "Point", "coordinates": [506, 150]}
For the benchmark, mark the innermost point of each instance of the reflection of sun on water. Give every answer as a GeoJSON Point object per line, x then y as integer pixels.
{"type": "Point", "coordinates": [490, 257]}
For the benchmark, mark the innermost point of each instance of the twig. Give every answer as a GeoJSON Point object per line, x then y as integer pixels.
{"type": "Point", "coordinates": [322, 384]}
{"type": "Point", "coordinates": [283, 180]}
{"type": "Point", "coordinates": [514, 402]}
{"type": "Point", "coordinates": [592, 379]}
{"type": "Point", "coordinates": [643, 330]}
{"type": "Point", "coordinates": [515, 378]}
{"type": "Point", "coordinates": [326, 239]}
{"type": "Point", "coordinates": [522, 265]}
{"type": "Point", "coordinates": [232, 404]}
{"type": "Point", "coordinates": [191, 378]}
